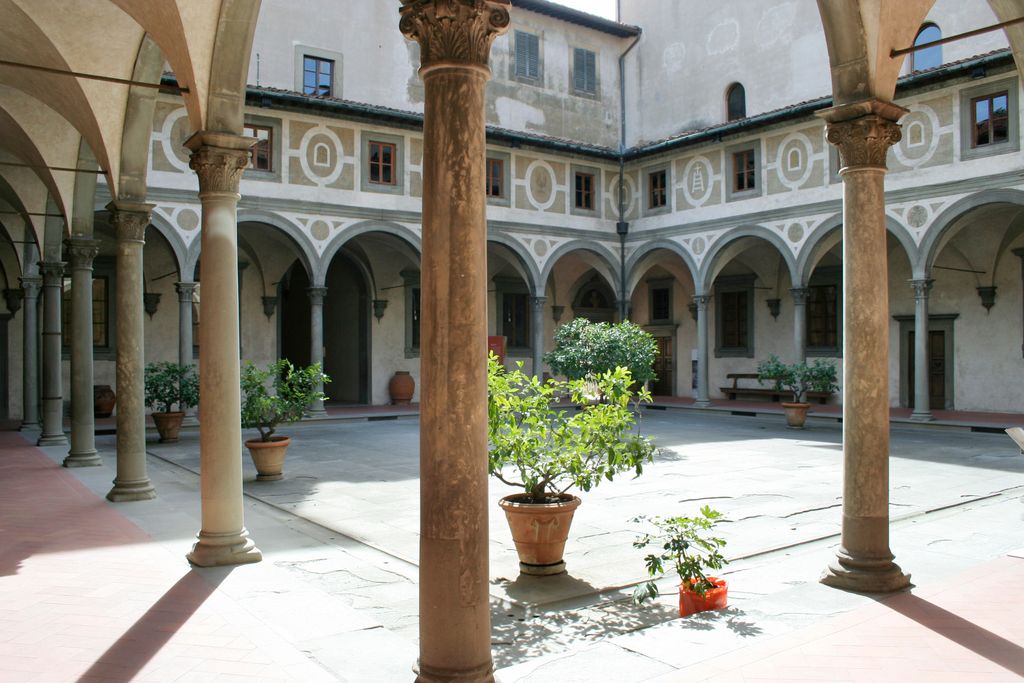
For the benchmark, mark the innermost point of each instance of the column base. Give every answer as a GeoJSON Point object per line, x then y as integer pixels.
{"type": "Point", "coordinates": [482, 674]}
{"type": "Point", "coordinates": [52, 440]}
{"type": "Point", "coordinates": [316, 414]}
{"type": "Point", "coordinates": [702, 404]}
{"type": "Point", "coordinates": [864, 575]}
{"type": "Point", "coordinates": [128, 491]}
{"type": "Point", "coordinates": [921, 417]}
{"type": "Point", "coordinates": [29, 427]}
{"type": "Point", "coordinates": [83, 459]}
{"type": "Point", "coordinates": [223, 549]}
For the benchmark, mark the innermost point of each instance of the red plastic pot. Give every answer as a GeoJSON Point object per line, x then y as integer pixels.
{"type": "Point", "coordinates": [713, 598]}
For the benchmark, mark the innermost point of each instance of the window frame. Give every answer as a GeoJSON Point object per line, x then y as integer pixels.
{"type": "Point", "coordinates": [734, 88]}
{"type": "Point", "coordinates": [734, 284]}
{"type": "Point", "coordinates": [649, 189]}
{"type": "Point", "coordinates": [380, 165]}
{"type": "Point", "coordinates": [513, 286]}
{"type": "Point", "coordinates": [916, 55]}
{"type": "Point", "coordinates": [660, 284]}
{"type": "Point", "coordinates": [822, 277]}
{"type": "Point", "coordinates": [398, 165]}
{"type": "Point", "coordinates": [970, 95]}
{"type": "Point", "coordinates": [505, 199]}
{"type": "Point", "coordinates": [274, 126]}
{"type": "Point", "coordinates": [575, 171]}
{"type": "Point", "coordinates": [523, 75]}
{"type": "Point", "coordinates": [731, 192]}
{"type": "Point", "coordinates": [302, 52]}
{"type": "Point", "coordinates": [990, 99]}
{"type": "Point", "coordinates": [589, 72]}
{"type": "Point", "coordinates": [318, 89]}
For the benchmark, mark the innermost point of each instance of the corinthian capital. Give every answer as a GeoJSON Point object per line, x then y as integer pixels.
{"type": "Point", "coordinates": [81, 252]}
{"type": "Point", "coordinates": [130, 220]}
{"type": "Point", "coordinates": [864, 141]}
{"type": "Point", "coordinates": [219, 160]}
{"type": "Point", "coordinates": [454, 31]}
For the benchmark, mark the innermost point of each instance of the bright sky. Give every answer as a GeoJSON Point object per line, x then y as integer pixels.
{"type": "Point", "coordinates": [602, 8]}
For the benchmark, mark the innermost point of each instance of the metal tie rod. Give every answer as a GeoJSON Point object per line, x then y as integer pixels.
{"type": "Point", "coordinates": [958, 36]}
{"type": "Point", "coordinates": [170, 89]}
{"type": "Point", "coordinates": [53, 168]}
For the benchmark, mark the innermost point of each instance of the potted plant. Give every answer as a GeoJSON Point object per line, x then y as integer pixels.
{"type": "Point", "coordinates": [799, 378]}
{"type": "Point", "coordinates": [294, 389]}
{"type": "Point", "coordinates": [687, 546]}
{"type": "Point", "coordinates": [167, 385]}
{"type": "Point", "coordinates": [542, 445]}
{"type": "Point", "coordinates": [584, 349]}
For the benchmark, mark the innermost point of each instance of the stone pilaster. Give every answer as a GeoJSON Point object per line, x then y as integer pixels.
{"type": "Point", "coordinates": [455, 38]}
{"type": "Point", "coordinates": [130, 220]}
{"type": "Point", "coordinates": [863, 132]}
{"type": "Point", "coordinates": [31, 286]}
{"type": "Point", "coordinates": [219, 159]}
{"type": "Point", "coordinates": [800, 296]}
{"type": "Point", "coordinates": [53, 392]}
{"type": "Point", "coordinates": [316, 340]}
{"type": "Point", "coordinates": [537, 328]}
{"type": "Point", "coordinates": [701, 302]}
{"type": "Point", "coordinates": [922, 394]}
{"type": "Point", "coordinates": [81, 252]}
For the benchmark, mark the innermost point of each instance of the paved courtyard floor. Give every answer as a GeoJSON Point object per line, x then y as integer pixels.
{"type": "Point", "coordinates": [336, 596]}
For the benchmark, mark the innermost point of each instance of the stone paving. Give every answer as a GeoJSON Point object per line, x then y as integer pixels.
{"type": "Point", "coordinates": [339, 536]}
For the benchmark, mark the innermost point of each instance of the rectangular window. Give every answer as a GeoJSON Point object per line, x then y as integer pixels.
{"type": "Point", "coordinates": [733, 309]}
{"type": "Point", "coordinates": [382, 163]}
{"type": "Point", "coordinates": [585, 191]}
{"type": "Point", "coordinates": [990, 121]}
{"type": "Point", "coordinates": [661, 304]}
{"type": "Point", "coordinates": [515, 319]}
{"type": "Point", "coordinates": [656, 195]}
{"type": "Point", "coordinates": [262, 153]}
{"type": "Point", "coordinates": [100, 321]}
{"type": "Point", "coordinates": [317, 76]}
{"type": "Point", "coordinates": [584, 71]}
{"type": "Point", "coordinates": [527, 63]}
{"type": "Point", "coordinates": [823, 317]}
{"type": "Point", "coordinates": [495, 177]}
{"type": "Point", "coordinates": [743, 170]}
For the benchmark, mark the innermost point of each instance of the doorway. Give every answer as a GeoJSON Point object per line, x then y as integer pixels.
{"type": "Point", "coordinates": [940, 361]}
{"type": "Point", "coordinates": [663, 365]}
{"type": "Point", "coordinates": [936, 368]}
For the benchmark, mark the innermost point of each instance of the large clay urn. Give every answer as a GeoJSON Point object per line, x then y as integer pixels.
{"type": "Point", "coordinates": [796, 414]}
{"type": "Point", "coordinates": [401, 388]}
{"type": "Point", "coordinates": [103, 400]}
{"type": "Point", "coordinates": [540, 531]}
{"type": "Point", "coordinates": [268, 457]}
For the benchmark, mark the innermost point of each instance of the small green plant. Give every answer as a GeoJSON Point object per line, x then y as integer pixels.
{"type": "Point", "coordinates": [169, 384]}
{"type": "Point", "coordinates": [585, 349]}
{"type": "Point", "coordinates": [799, 378]}
{"type": "Point", "coordinates": [686, 545]}
{"type": "Point", "coordinates": [533, 430]}
{"type": "Point", "coordinates": [294, 389]}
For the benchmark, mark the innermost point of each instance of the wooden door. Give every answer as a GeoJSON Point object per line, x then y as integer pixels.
{"type": "Point", "coordinates": [936, 369]}
{"type": "Point", "coordinates": [663, 384]}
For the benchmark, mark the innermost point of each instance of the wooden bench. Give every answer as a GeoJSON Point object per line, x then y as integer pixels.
{"type": "Point", "coordinates": [771, 392]}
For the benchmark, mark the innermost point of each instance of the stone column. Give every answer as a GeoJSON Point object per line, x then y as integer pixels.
{"type": "Point", "coordinates": [455, 622]}
{"type": "Point", "coordinates": [53, 391]}
{"type": "Point", "coordinates": [130, 220]}
{"type": "Point", "coordinates": [219, 159]}
{"type": "Point", "coordinates": [30, 354]}
{"type": "Point", "coordinates": [537, 325]}
{"type": "Point", "coordinates": [863, 133]}
{"type": "Point", "coordinates": [701, 300]}
{"type": "Point", "coordinates": [83, 453]}
{"type": "Point", "coordinates": [186, 291]}
{"type": "Point", "coordinates": [800, 295]}
{"type": "Point", "coordinates": [1020, 253]}
{"type": "Point", "coordinates": [922, 395]}
{"type": "Point", "coordinates": [316, 340]}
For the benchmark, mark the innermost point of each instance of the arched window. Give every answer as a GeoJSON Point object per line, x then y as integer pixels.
{"type": "Point", "coordinates": [736, 102]}
{"type": "Point", "coordinates": [930, 57]}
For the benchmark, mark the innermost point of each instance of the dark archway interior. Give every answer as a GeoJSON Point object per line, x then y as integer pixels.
{"type": "Point", "coordinates": [294, 333]}
{"type": "Point", "coordinates": [346, 332]}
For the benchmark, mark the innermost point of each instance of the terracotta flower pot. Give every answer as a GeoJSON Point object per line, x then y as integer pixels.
{"type": "Point", "coordinates": [540, 531]}
{"type": "Point", "coordinates": [168, 425]}
{"type": "Point", "coordinates": [713, 598]}
{"type": "Point", "coordinates": [796, 414]}
{"type": "Point", "coordinates": [268, 457]}
{"type": "Point", "coordinates": [401, 388]}
{"type": "Point", "coordinates": [103, 400]}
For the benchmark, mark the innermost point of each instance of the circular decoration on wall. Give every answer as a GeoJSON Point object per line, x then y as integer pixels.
{"type": "Point", "coordinates": [917, 216]}
{"type": "Point", "coordinates": [320, 230]}
{"type": "Point", "coordinates": [540, 185]}
{"type": "Point", "coordinates": [699, 245]}
{"type": "Point", "coordinates": [795, 232]}
{"type": "Point", "coordinates": [698, 181]}
{"type": "Point", "coordinates": [793, 161]}
{"type": "Point", "coordinates": [920, 136]}
{"type": "Point", "coordinates": [175, 130]}
{"type": "Point", "coordinates": [188, 220]}
{"type": "Point", "coordinates": [540, 248]}
{"type": "Point", "coordinates": [321, 155]}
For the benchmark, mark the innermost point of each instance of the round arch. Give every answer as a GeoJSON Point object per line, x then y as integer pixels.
{"type": "Point", "coordinates": [818, 242]}
{"type": "Point", "coordinates": [636, 263]}
{"type": "Point", "coordinates": [940, 230]}
{"type": "Point", "coordinates": [531, 273]}
{"type": "Point", "coordinates": [181, 251]}
{"type": "Point", "coordinates": [606, 260]}
{"type": "Point", "coordinates": [304, 248]}
{"type": "Point", "coordinates": [319, 273]}
{"type": "Point", "coordinates": [713, 261]}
